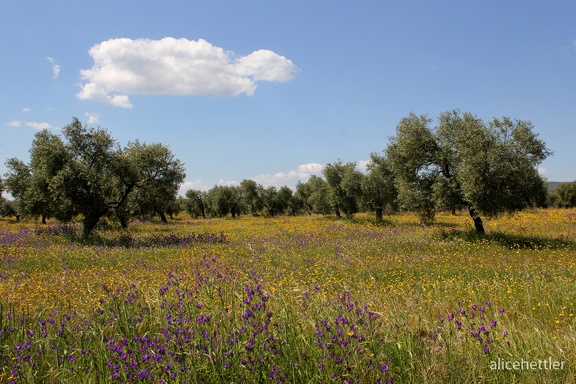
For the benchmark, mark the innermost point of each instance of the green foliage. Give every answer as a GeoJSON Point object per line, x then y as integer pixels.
{"type": "Point", "coordinates": [222, 200]}
{"type": "Point", "coordinates": [412, 153]}
{"type": "Point", "coordinates": [489, 168]}
{"type": "Point", "coordinates": [378, 189]}
{"type": "Point", "coordinates": [345, 186]}
{"type": "Point", "coordinates": [566, 195]}
{"type": "Point", "coordinates": [318, 199]}
{"type": "Point", "coordinates": [9, 208]}
{"type": "Point", "coordinates": [196, 203]}
{"type": "Point", "coordinates": [157, 176]}
{"type": "Point", "coordinates": [251, 196]}
{"type": "Point", "coordinates": [89, 174]}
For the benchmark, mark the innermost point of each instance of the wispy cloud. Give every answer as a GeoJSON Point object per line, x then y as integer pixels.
{"type": "Point", "coordinates": [55, 67]}
{"type": "Point", "coordinates": [92, 118]}
{"type": "Point", "coordinates": [26, 110]}
{"type": "Point", "coordinates": [14, 123]}
{"type": "Point", "coordinates": [362, 164]}
{"type": "Point", "coordinates": [290, 178]}
{"type": "Point", "coordinates": [38, 125]}
{"type": "Point", "coordinates": [197, 184]}
{"type": "Point", "coordinates": [29, 124]}
{"type": "Point", "coordinates": [542, 171]}
{"type": "Point", "coordinates": [171, 66]}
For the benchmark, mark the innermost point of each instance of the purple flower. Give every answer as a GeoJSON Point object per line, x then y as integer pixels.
{"type": "Point", "coordinates": [384, 368]}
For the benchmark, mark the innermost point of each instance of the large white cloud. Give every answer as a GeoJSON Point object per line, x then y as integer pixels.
{"type": "Point", "coordinates": [172, 66]}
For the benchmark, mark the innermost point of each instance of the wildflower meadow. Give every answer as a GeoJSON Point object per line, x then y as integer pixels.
{"type": "Point", "coordinates": [307, 299]}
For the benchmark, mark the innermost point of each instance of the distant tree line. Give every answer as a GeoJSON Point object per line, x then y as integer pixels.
{"type": "Point", "coordinates": [564, 196]}
{"type": "Point", "coordinates": [461, 163]}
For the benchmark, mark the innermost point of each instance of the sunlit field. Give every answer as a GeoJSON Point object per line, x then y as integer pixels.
{"type": "Point", "coordinates": [306, 299]}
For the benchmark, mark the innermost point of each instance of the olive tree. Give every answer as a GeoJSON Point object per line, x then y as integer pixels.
{"type": "Point", "coordinates": [156, 174]}
{"type": "Point", "coordinates": [488, 168]}
{"type": "Point", "coordinates": [88, 173]}
{"type": "Point", "coordinates": [378, 189]}
{"type": "Point", "coordinates": [412, 154]}
{"type": "Point", "coordinates": [317, 191]}
{"type": "Point", "coordinates": [566, 195]}
{"type": "Point", "coordinates": [345, 186]}
{"type": "Point", "coordinates": [196, 204]}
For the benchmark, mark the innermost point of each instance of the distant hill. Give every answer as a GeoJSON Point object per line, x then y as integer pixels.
{"type": "Point", "coordinates": [552, 185]}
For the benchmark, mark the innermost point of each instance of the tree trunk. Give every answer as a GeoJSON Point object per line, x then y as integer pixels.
{"type": "Point", "coordinates": [477, 221]}
{"type": "Point", "coordinates": [203, 211]}
{"type": "Point", "coordinates": [162, 216]}
{"type": "Point", "coordinates": [379, 214]}
{"type": "Point", "coordinates": [123, 221]}
{"type": "Point", "coordinates": [338, 215]}
{"type": "Point", "coordinates": [43, 219]}
{"type": "Point", "coordinates": [89, 224]}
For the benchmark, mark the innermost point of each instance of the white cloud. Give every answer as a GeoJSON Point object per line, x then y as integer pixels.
{"type": "Point", "coordinates": [172, 66]}
{"type": "Point", "coordinates": [14, 123]}
{"type": "Point", "coordinates": [226, 183]}
{"type": "Point", "coordinates": [290, 178]}
{"type": "Point", "coordinates": [92, 118]}
{"type": "Point", "coordinates": [196, 184]}
{"type": "Point", "coordinates": [26, 110]}
{"type": "Point", "coordinates": [542, 171]}
{"type": "Point", "coordinates": [278, 180]}
{"type": "Point", "coordinates": [55, 67]}
{"type": "Point", "coordinates": [38, 126]}
{"type": "Point", "coordinates": [362, 164]}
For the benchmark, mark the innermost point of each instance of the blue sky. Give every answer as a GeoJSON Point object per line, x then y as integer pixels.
{"type": "Point", "coordinates": [273, 90]}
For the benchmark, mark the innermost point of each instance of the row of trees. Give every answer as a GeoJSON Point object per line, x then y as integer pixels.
{"type": "Point", "coordinates": [343, 190]}
{"type": "Point", "coordinates": [89, 174]}
{"type": "Point", "coordinates": [462, 162]}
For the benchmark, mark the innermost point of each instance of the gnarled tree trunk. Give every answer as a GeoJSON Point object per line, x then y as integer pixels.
{"type": "Point", "coordinates": [477, 221]}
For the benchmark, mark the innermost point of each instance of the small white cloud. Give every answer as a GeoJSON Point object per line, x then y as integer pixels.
{"type": "Point", "coordinates": [290, 178]}
{"type": "Point", "coordinates": [92, 118]}
{"type": "Point", "coordinates": [55, 67]}
{"type": "Point", "coordinates": [542, 171]}
{"type": "Point", "coordinates": [14, 123]}
{"type": "Point", "coordinates": [362, 164]}
{"type": "Point", "coordinates": [26, 110]}
{"type": "Point", "coordinates": [38, 126]}
{"type": "Point", "coordinates": [171, 66]}
{"type": "Point", "coordinates": [197, 184]}
{"type": "Point", "coordinates": [226, 183]}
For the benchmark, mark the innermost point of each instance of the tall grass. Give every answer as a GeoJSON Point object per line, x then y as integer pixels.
{"type": "Point", "coordinates": [291, 299]}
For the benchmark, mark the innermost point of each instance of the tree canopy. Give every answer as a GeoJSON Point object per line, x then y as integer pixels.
{"type": "Point", "coordinates": [88, 173]}
{"type": "Point", "coordinates": [489, 168]}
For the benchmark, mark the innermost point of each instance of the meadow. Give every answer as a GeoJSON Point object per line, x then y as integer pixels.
{"type": "Point", "coordinates": [306, 299]}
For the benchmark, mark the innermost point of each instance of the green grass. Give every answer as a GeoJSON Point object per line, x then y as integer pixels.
{"type": "Point", "coordinates": [290, 299]}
